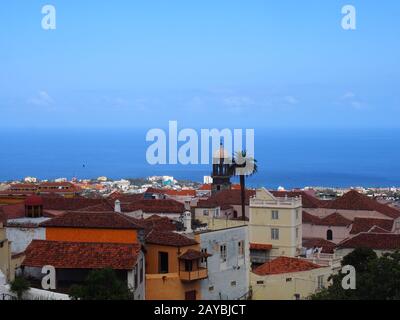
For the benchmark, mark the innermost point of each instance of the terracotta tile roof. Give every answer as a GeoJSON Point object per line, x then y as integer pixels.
{"type": "Point", "coordinates": [308, 200]}
{"type": "Point", "coordinates": [327, 246]}
{"type": "Point", "coordinates": [260, 246]}
{"type": "Point", "coordinates": [192, 254]}
{"type": "Point", "coordinates": [335, 219]}
{"type": "Point", "coordinates": [225, 198]}
{"type": "Point", "coordinates": [309, 218]}
{"type": "Point", "coordinates": [70, 204]}
{"type": "Point", "coordinates": [171, 192]}
{"type": "Point", "coordinates": [168, 238]}
{"type": "Point", "coordinates": [285, 265]}
{"type": "Point", "coordinates": [34, 201]}
{"type": "Point", "coordinates": [205, 187]}
{"type": "Point", "coordinates": [353, 200]}
{"type": "Point", "coordinates": [378, 241]}
{"type": "Point", "coordinates": [154, 206]}
{"type": "Point", "coordinates": [125, 197]}
{"type": "Point", "coordinates": [365, 224]}
{"type": "Point", "coordinates": [157, 223]}
{"type": "Point", "coordinates": [78, 255]}
{"type": "Point", "coordinates": [98, 220]}
{"type": "Point", "coordinates": [376, 229]}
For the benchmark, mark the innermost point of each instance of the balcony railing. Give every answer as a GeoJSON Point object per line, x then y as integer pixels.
{"type": "Point", "coordinates": [201, 273]}
{"type": "Point", "coordinates": [292, 202]}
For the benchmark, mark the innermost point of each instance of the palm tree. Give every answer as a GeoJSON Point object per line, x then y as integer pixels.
{"type": "Point", "coordinates": [244, 166]}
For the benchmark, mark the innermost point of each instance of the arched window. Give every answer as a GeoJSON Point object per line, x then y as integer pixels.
{"type": "Point", "coordinates": [329, 235]}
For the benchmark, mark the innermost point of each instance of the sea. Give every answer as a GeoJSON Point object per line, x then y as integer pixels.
{"type": "Point", "coordinates": [289, 158]}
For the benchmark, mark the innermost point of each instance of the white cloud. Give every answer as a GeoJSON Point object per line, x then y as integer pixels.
{"type": "Point", "coordinates": [351, 99]}
{"type": "Point", "coordinates": [237, 101]}
{"type": "Point", "coordinates": [42, 99]}
{"type": "Point", "coordinates": [291, 100]}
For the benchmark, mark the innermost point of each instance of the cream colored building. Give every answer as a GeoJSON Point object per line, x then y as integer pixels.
{"type": "Point", "coordinates": [275, 222]}
{"type": "Point", "coordinates": [5, 255]}
{"type": "Point", "coordinates": [288, 279]}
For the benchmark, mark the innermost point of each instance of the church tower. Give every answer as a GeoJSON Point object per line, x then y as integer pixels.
{"type": "Point", "coordinates": [222, 170]}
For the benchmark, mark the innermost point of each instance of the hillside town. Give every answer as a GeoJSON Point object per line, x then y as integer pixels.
{"type": "Point", "coordinates": [170, 240]}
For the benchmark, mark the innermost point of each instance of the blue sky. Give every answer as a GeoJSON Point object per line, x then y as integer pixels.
{"type": "Point", "coordinates": [204, 63]}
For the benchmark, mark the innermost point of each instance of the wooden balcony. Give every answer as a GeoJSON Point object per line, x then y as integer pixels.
{"type": "Point", "coordinates": [201, 273]}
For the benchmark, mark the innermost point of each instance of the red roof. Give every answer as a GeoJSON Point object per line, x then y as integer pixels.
{"type": "Point", "coordinates": [72, 204]}
{"type": "Point", "coordinates": [365, 224]}
{"type": "Point", "coordinates": [335, 219]}
{"type": "Point", "coordinates": [33, 201]}
{"type": "Point", "coordinates": [168, 238]}
{"type": "Point", "coordinates": [154, 206]}
{"type": "Point", "coordinates": [353, 200]}
{"type": "Point", "coordinates": [171, 192]}
{"type": "Point", "coordinates": [192, 254]}
{"type": "Point", "coordinates": [327, 246]}
{"type": "Point", "coordinates": [225, 198]}
{"type": "Point", "coordinates": [101, 220]}
{"type": "Point", "coordinates": [205, 187]}
{"type": "Point", "coordinates": [309, 218]}
{"type": "Point", "coordinates": [308, 201]}
{"type": "Point", "coordinates": [285, 265]}
{"type": "Point", "coordinates": [260, 246]}
{"type": "Point", "coordinates": [78, 255]}
{"type": "Point", "coordinates": [378, 241]}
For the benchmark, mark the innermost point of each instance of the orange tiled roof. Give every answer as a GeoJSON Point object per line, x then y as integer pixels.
{"type": "Point", "coordinates": [354, 200]}
{"type": "Point", "coordinates": [308, 200]}
{"type": "Point", "coordinates": [285, 265]}
{"type": "Point", "coordinates": [78, 255]}
{"type": "Point", "coordinates": [225, 198]}
{"type": "Point", "coordinates": [365, 224]}
{"type": "Point", "coordinates": [102, 220]}
{"type": "Point", "coordinates": [260, 246]}
{"type": "Point", "coordinates": [168, 238]}
{"type": "Point", "coordinates": [154, 206]}
{"type": "Point", "coordinates": [334, 219]}
{"type": "Point", "coordinates": [378, 241]}
{"type": "Point", "coordinates": [327, 246]}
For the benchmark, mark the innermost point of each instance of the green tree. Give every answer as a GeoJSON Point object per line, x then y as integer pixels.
{"type": "Point", "coordinates": [244, 166]}
{"type": "Point", "coordinates": [101, 285]}
{"type": "Point", "coordinates": [19, 286]}
{"type": "Point", "coordinates": [376, 278]}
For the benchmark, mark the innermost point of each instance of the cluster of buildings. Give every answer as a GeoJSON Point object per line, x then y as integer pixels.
{"type": "Point", "coordinates": [189, 244]}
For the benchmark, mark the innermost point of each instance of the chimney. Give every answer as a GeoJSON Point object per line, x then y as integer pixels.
{"type": "Point", "coordinates": [117, 206]}
{"type": "Point", "coordinates": [187, 221]}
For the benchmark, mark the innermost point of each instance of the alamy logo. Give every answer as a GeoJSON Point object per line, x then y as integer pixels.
{"type": "Point", "coordinates": [49, 19]}
{"type": "Point", "coordinates": [349, 280]}
{"type": "Point", "coordinates": [183, 147]}
{"type": "Point", "coordinates": [349, 18]}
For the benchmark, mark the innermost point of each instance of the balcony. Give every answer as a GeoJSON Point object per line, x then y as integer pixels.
{"type": "Point", "coordinates": [201, 273]}
{"type": "Point", "coordinates": [278, 202]}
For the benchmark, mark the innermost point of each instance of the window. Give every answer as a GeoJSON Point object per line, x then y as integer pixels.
{"type": "Point", "coordinates": [274, 234]}
{"type": "Point", "coordinates": [141, 271]}
{"type": "Point", "coordinates": [260, 282]}
{"type": "Point", "coordinates": [205, 212]}
{"type": "Point", "coordinates": [297, 296]}
{"type": "Point", "coordinates": [222, 252]}
{"type": "Point", "coordinates": [233, 284]}
{"type": "Point", "coordinates": [163, 262]}
{"type": "Point", "coordinates": [275, 214]}
{"type": "Point", "coordinates": [241, 248]}
{"type": "Point", "coordinates": [211, 289]}
{"type": "Point", "coordinates": [329, 234]}
{"type": "Point", "coordinates": [320, 282]}
{"type": "Point", "coordinates": [288, 279]}
{"type": "Point", "coordinates": [204, 251]}
{"type": "Point", "coordinates": [188, 265]}
{"type": "Point", "coordinates": [135, 277]}
{"type": "Point", "coordinates": [190, 295]}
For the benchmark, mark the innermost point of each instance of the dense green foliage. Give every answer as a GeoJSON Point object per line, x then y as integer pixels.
{"type": "Point", "coordinates": [101, 285]}
{"type": "Point", "coordinates": [19, 286]}
{"type": "Point", "coordinates": [376, 278]}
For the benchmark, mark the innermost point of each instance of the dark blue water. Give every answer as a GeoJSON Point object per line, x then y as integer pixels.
{"type": "Point", "coordinates": [289, 158]}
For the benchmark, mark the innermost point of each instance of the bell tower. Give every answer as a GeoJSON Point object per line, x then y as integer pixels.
{"type": "Point", "coordinates": [222, 170]}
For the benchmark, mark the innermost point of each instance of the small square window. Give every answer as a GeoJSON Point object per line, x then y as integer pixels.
{"type": "Point", "coordinates": [233, 283]}
{"type": "Point", "coordinates": [211, 289]}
